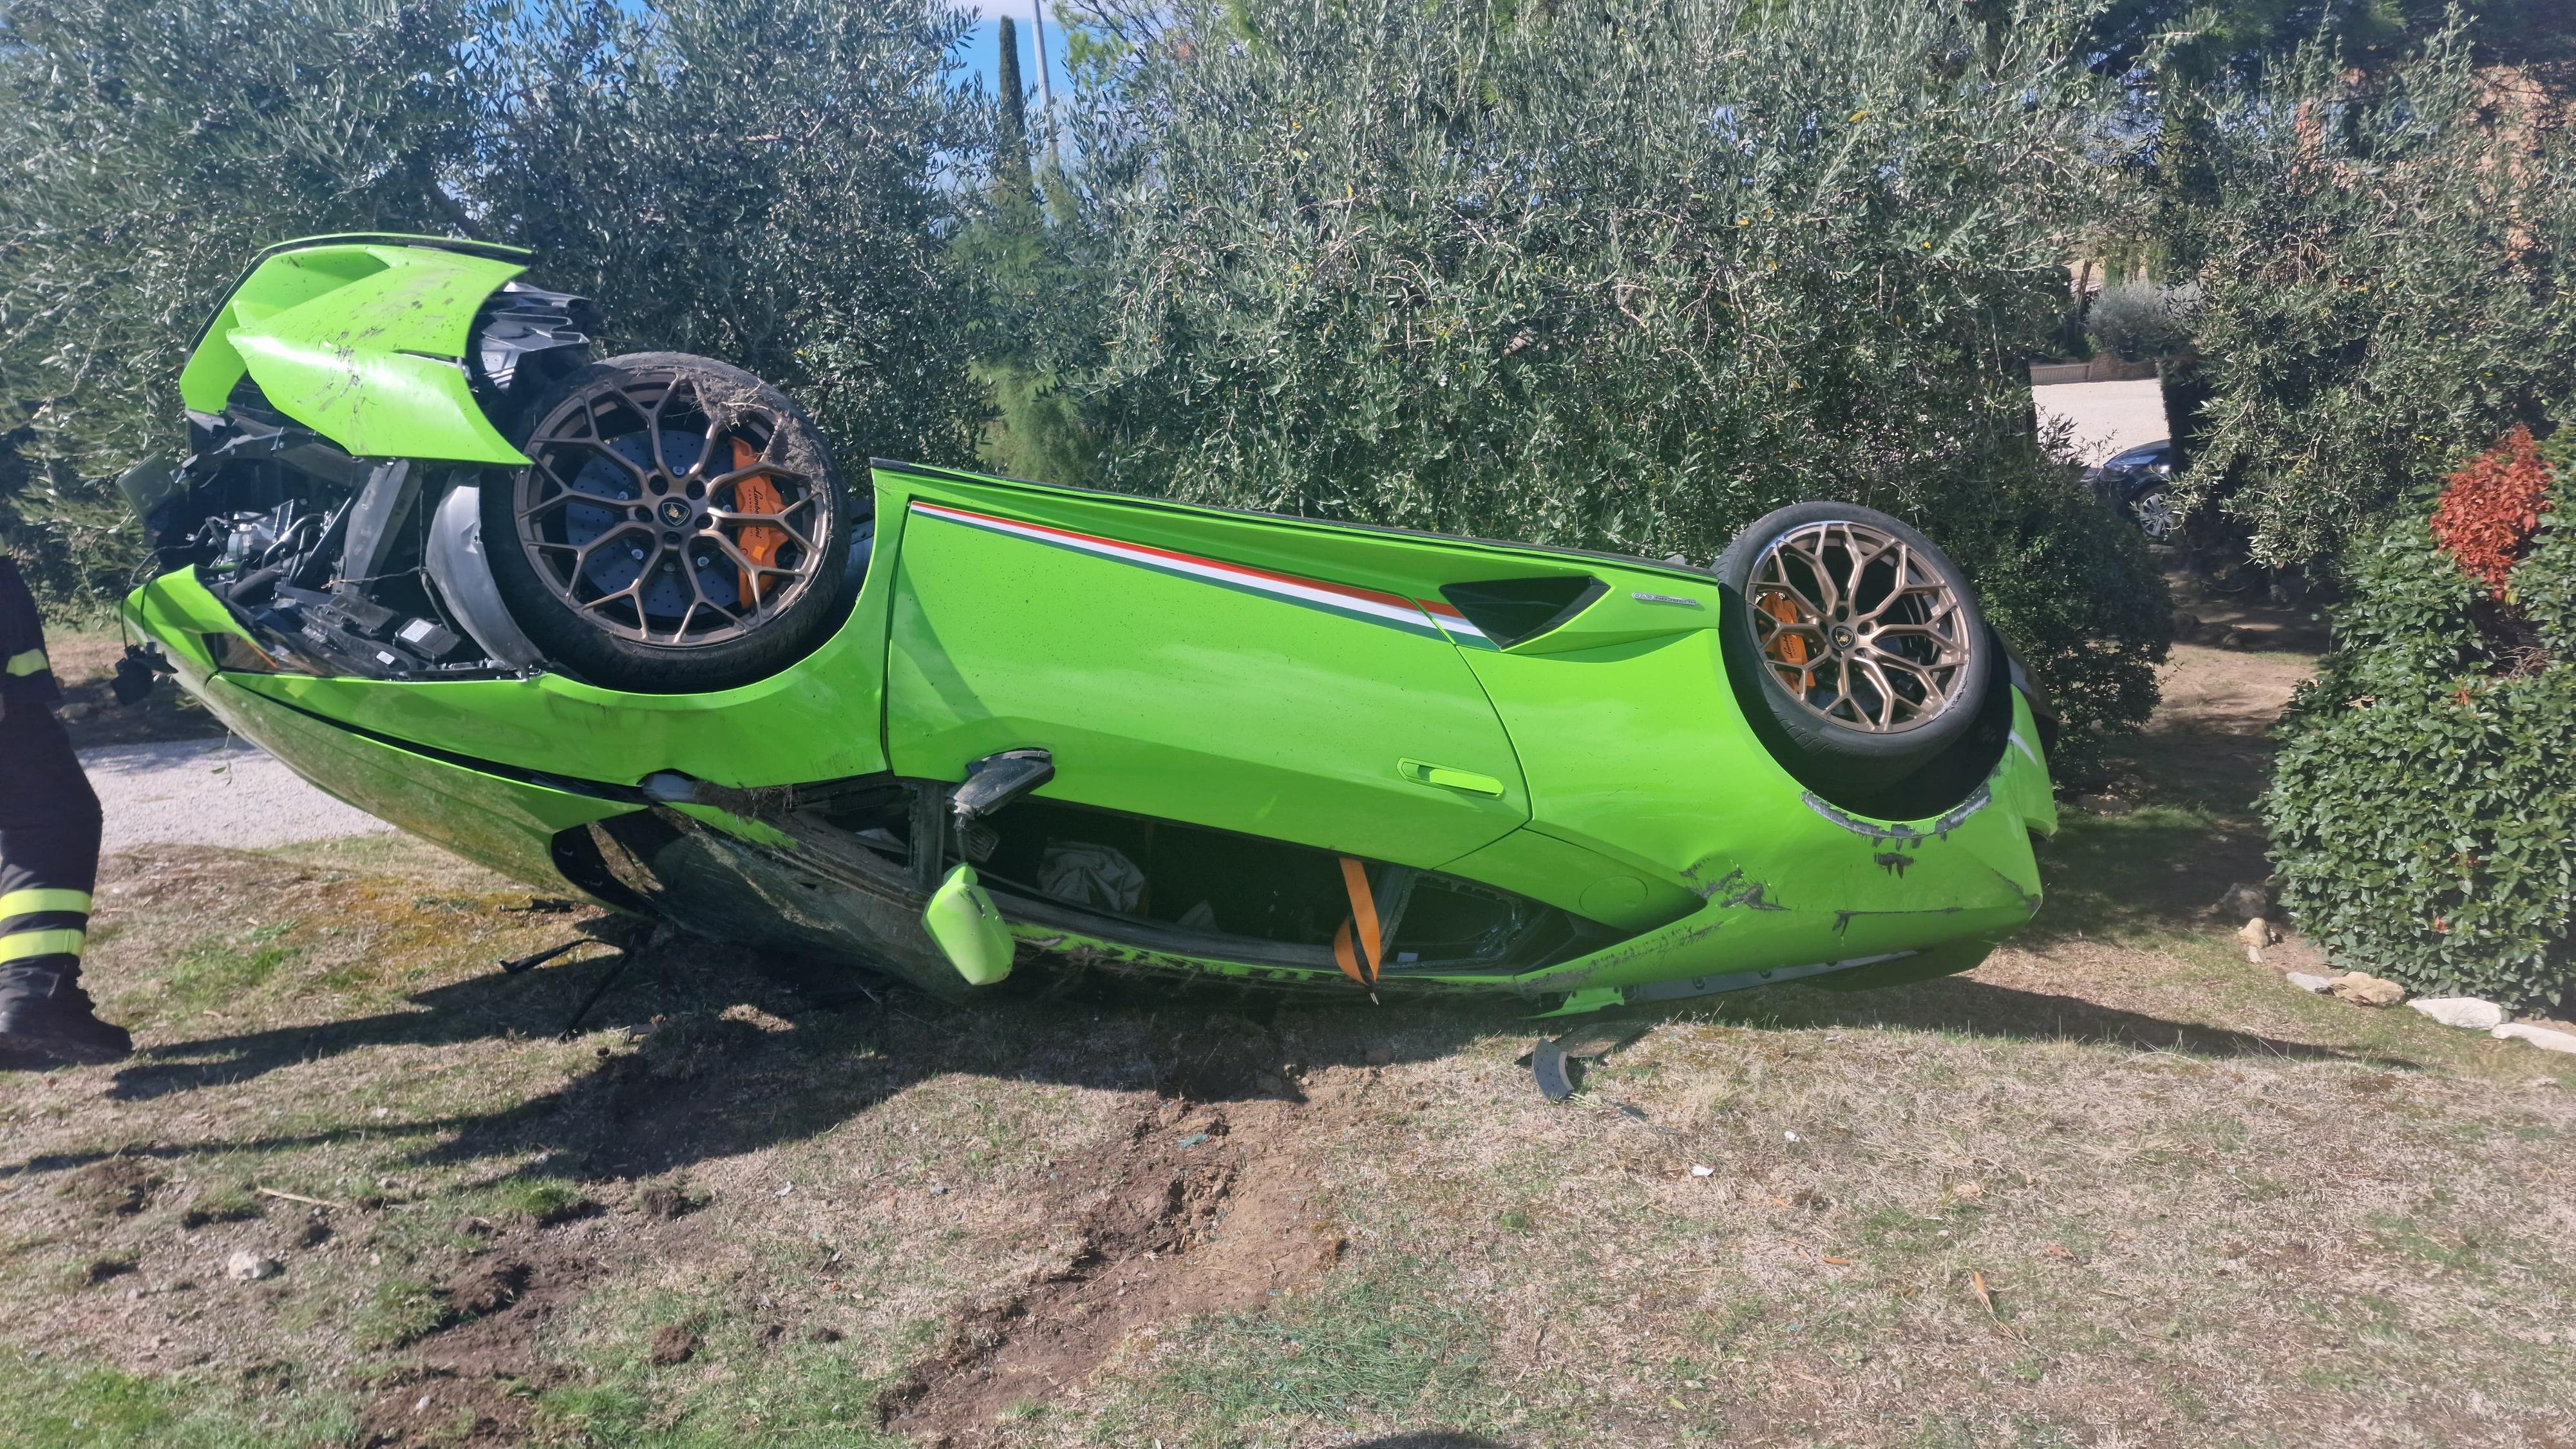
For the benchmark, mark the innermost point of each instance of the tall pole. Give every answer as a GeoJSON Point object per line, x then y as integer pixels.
{"type": "Point", "coordinates": [1046, 96]}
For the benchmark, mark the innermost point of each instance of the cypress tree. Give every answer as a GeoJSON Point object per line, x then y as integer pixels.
{"type": "Point", "coordinates": [1012, 183]}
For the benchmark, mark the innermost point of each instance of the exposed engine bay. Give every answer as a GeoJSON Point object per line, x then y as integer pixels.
{"type": "Point", "coordinates": [340, 565]}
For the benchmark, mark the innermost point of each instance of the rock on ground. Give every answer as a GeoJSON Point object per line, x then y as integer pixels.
{"type": "Point", "coordinates": [2363, 990]}
{"type": "Point", "coordinates": [2461, 1011]}
{"type": "Point", "coordinates": [2309, 981]}
{"type": "Point", "coordinates": [2539, 1036]}
{"type": "Point", "coordinates": [2244, 902]}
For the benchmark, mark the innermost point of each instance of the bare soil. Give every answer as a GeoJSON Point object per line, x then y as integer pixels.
{"type": "Point", "coordinates": [84, 661]}
{"type": "Point", "coordinates": [1202, 1209]}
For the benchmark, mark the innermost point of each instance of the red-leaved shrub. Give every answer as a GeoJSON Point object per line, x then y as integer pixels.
{"type": "Point", "coordinates": [2491, 508]}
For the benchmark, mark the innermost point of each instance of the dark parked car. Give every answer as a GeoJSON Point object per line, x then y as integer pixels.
{"type": "Point", "coordinates": [2138, 485]}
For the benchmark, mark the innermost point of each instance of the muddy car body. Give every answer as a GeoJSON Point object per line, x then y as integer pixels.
{"type": "Point", "coordinates": [618, 628]}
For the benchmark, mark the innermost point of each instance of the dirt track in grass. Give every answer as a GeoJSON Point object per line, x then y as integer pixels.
{"type": "Point", "coordinates": [2116, 1187]}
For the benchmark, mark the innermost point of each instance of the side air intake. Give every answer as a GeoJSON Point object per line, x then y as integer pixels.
{"type": "Point", "coordinates": [1515, 611]}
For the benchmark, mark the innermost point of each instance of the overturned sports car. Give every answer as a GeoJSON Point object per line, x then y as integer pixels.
{"type": "Point", "coordinates": [624, 626]}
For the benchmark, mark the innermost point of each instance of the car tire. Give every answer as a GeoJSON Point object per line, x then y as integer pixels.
{"type": "Point", "coordinates": [1855, 648]}
{"type": "Point", "coordinates": [681, 527]}
{"type": "Point", "coordinates": [2151, 508]}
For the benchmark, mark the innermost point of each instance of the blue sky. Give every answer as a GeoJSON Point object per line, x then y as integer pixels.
{"type": "Point", "coordinates": [981, 57]}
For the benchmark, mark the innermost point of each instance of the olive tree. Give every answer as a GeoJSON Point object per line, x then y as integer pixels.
{"type": "Point", "coordinates": [764, 181]}
{"type": "Point", "coordinates": [1621, 275]}
{"type": "Point", "coordinates": [149, 149]}
{"type": "Point", "coordinates": [761, 180]}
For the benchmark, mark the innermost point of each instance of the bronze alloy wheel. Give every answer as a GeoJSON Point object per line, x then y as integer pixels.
{"type": "Point", "coordinates": [1859, 627]}
{"type": "Point", "coordinates": [660, 512]}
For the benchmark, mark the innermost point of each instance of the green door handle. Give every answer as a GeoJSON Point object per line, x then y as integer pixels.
{"type": "Point", "coordinates": [1464, 781]}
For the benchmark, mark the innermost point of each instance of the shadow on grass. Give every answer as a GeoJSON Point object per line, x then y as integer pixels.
{"type": "Point", "coordinates": [2152, 869]}
{"type": "Point", "coordinates": [1978, 1008]}
{"type": "Point", "coordinates": [703, 1082]}
{"type": "Point", "coordinates": [2194, 776]}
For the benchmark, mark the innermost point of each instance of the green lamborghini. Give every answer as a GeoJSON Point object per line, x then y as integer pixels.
{"type": "Point", "coordinates": [624, 627]}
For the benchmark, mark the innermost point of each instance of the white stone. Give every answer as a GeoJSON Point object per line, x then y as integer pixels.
{"type": "Point", "coordinates": [2461, 1011]}
{"type": "Point", "coordinates": [2539, 1036]}
{"type": "Point", "coordinates": [250, 1267]}
{"type": "Point", "coordinates": [2307, 981]}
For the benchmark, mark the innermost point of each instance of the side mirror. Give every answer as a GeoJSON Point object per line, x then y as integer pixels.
{"type": "Point", "coordinates": [968, 928]}
{"type": "Point", "coordinates": [996, 780]}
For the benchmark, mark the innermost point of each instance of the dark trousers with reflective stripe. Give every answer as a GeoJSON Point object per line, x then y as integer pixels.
{"type": "Point", "coordinates": [48, 854]}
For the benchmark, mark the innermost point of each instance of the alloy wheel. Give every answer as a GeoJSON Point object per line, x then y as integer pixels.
{"type": "Point", "coordinates": [660, 514]}
{"type": "Point", "coordinates": [1858, 627]}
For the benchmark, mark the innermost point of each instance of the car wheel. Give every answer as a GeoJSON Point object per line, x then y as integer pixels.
{"type": "Point", "coordinates": [681, 526]}
{"type": "Point", "coordinates": [2152, 509]}
{"type": "Point", "coordinates": [1855, 646]}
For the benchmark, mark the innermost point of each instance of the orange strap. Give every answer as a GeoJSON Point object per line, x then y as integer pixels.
{"type": "Point", "coordinates": [1364, 913]}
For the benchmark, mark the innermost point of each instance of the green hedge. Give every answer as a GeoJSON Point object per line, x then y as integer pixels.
{"type": "Point", "coordinates": [2381, 292]}
{"type": "Point", "coordinates": [2423, 809]}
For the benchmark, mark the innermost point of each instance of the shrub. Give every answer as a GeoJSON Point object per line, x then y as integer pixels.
{"type": "Point", "coordinates": [2075, 590]}
{"type": "Point", "coordinates": [2390, 270]}
{"type": "Point", "coordinates": [2140, 321]}
{"type": "Point", "coordinates": [2423, 810]}
{"type": "Point", "coordinates": [2490, 509]}
{"type": "Point", "coordinates": [1621, 276]}
{"type": "Point", "coordinates": [142, 174]}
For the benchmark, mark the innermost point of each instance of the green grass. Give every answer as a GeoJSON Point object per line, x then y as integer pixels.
{"type": "Point", "coordinates": [1949, 1431]}
{"type": "Point", "coordinates": [2128, 874]}
{"type": "Point", "coordinates": [82, 1407]}
{"type": "Point", "coordinates": [740, 1387]}
{"type": "Point", "coordinates": [398, 1312]}
{"type": "Point", "coordinates": [1389, 1343]}
{"type": "Point", "coordinates": [219, 970]}
{"type": "Point", "coordinates": [539, 1200]}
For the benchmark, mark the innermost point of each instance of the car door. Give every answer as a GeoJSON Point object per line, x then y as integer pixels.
{"type": "Point", "coordinates": [1227, 670]}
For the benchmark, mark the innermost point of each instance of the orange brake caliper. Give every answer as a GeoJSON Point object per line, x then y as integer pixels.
{"type": "Point", "coordinates": [1788, 648]}
{"type": "Point", "coordinates": [759, 542]}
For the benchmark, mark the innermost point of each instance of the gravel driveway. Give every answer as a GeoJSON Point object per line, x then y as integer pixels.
{"type": "Point", "coordinates": [2108, 417]}
{"type": "Point", "coordinates": [212, 792]}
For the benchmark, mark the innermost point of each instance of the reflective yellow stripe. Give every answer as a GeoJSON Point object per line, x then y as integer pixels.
{"type": "Point", "coordinates": [20, 945]}
{"type": "Point", "coordinates": [31, 662]}
{"type": "Point", "coordinates": [28, 903]}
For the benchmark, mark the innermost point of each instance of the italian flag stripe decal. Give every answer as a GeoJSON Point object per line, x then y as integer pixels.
{"type": "Point", "coordinates": [1367, 605]}
{"type": "Point", "coordinates": [1455, 624]}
